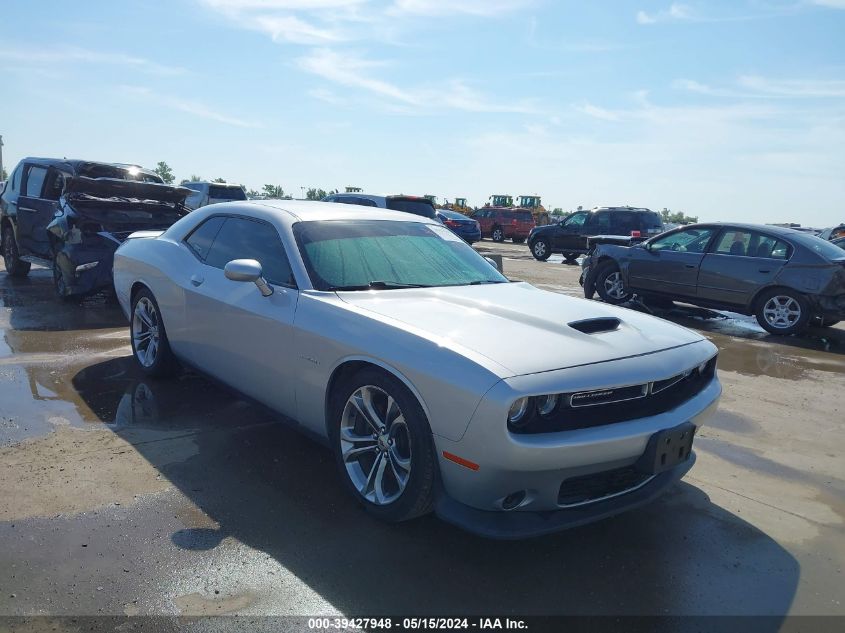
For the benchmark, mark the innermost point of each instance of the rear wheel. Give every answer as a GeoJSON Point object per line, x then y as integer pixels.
{"type": "Point", "coordinates": [11, 256]}
{"type": "Point", "coordinates": [150, 346]}
{"type": "Point", "coordinates": [782, 311]}
{"type": "Point", "coordinates": [609, 284]}
{"type": "Point", "coordinates": [570, 257]}
{"type": "Point", "coordinates": [541, 250]}
{"type": "Point", "coordinates": [383, 447]}
{"type": "Point", "coordinates": [518, 240]}
{"type": "Point", "coordinates": [498, 234]}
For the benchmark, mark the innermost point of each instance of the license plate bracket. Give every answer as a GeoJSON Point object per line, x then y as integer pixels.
{"type": "Point", "coordinates": [666, 449]}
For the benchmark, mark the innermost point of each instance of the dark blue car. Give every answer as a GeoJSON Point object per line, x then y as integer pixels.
{"type": "Point", "coordinates": [461, 225]}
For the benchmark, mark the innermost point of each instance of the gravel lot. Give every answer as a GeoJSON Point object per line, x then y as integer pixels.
{"type": "Point", "coordinates": [120, 495]}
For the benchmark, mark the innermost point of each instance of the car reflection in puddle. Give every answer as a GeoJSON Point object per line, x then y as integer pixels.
{"type": "Point", "coordinates": [745, 348]}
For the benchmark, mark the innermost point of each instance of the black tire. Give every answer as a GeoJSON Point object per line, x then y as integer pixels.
{"type": "Point", "coordinates": [164, 363]}
{"type": "Point", "coordinates": [417, 496]}
{"type": "Point", "coordinates": [604, 282]}
{"type": "Point", "coordinates": [570, 257]}
{"type": "Point", "coordinates": [498, 234]}
{"type": "Point", "coordinates": [782, 311]}
{"type": "Point", "coordinates": [818, 321]}
{"type": "Point", "coordinates": [11, 256]}
{"type": "Point", "coordinates": [518, 240]}
{"type": "Point", "coordinates": [59, 284]}
{"type": "Point", "coordinates": [541, 249]}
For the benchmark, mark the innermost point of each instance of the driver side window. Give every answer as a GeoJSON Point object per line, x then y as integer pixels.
{"type": "Point", "coordinates": [575, 220]}
{"type": "Point", "coordinates": [686, 241]}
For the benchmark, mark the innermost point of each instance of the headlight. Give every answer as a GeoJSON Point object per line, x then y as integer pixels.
{"type": "Point", "coordinates": [518, 410]}
{"type": "Point", "coordinates": [546, 404]}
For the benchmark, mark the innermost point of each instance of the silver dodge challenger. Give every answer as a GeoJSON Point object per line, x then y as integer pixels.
{"type": "Point", "coordinates": [438, 383]}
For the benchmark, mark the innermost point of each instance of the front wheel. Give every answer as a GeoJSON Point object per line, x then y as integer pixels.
{"type": "Point", "coordinates": [541, 250]}
{"type": "Point", "coordinates": [11, 257]}
{"type": "Point", "coordinates": [150, 345]}
{"type": "Point", "coordinates": [782, 311]}
{"type": "Point", "coordinates": [609, 284]}
{"type": "Point", "coordinates": [518, 240]}
{"type": "Point", "coordinates": [383, 447]}
{"type": "Point", "coordinates": [498, 234]}
{"type": "Point", "coordinates": [570, 257]}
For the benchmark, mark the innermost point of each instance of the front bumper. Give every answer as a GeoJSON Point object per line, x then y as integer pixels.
{"type": "Point", "coordinates": [518, 525]}
{"type": "Point", "coordinates": [540, 466]}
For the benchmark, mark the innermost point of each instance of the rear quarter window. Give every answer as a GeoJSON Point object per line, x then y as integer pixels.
{"type": "Point", "coordinates": [229, 193]}
{"type": "Point", "coordinates": [202, 237]}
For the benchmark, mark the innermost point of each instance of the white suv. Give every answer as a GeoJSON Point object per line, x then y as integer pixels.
{"type": "Point", "coordinates": [409, 204]}
{"type": "Point", "coordinates": [212, 192]}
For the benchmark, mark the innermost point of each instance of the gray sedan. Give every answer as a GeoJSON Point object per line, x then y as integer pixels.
{"type": "Point", "coordinates": [786, 278]}
{"type": "Point", "coordinates": [437, 382]}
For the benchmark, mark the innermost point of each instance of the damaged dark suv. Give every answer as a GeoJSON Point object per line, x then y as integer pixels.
{"type": "Point", "coordinates": [71, 215]}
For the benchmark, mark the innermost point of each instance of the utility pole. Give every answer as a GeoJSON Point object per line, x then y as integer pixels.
{"type": "Point", "coordinates": [1, 154]}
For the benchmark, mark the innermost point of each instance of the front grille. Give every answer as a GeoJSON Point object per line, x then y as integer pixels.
{"type": "Point", "coordinates": [592, 488]}
{"type": "Point", "coordinates": [606, 406]}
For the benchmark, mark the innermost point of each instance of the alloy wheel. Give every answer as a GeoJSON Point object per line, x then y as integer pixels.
{"type": "Point", "coordinates": [497, 235]}
{"type": "Point", "coordinates": [614, 287]}
{"type": "Point", "coordinates": [375, 445]}
{"type": "Point", "coordinates": [782, 312]}
{"type": "Point", "coordinates": [145, 332]}
{"type": "Point", "coordinates": [540, 249]}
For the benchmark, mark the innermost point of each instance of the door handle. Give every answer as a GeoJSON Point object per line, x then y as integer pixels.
{"type": "Point", "coordinates": [690, 266]}
{"type": "Point", "coordinates": [764, 270]}
{"type": "Point", "coordinates": [196, 280]}
{"type": "Point", "coordinates": [27, 209]}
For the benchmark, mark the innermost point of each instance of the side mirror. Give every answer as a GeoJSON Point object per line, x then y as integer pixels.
{"type": "Point", "coordinates": [247, 270]}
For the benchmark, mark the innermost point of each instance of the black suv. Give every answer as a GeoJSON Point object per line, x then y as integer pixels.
{"type": "Point", "coordinates": [569, 236]}
{"type": "Point", "coordinates": [71, 215]}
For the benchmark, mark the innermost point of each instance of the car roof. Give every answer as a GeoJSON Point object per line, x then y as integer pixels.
{"type": "Point", "coordinates": [75, 164]}
{"type": "Point", "coordinates": [768, 228]}
{"type": "Point", "coordinates": [211, 182]}
{"type": "Point", "coordinates": [635, 209]}
{"type": "Point", "coordinates": [292, 211]}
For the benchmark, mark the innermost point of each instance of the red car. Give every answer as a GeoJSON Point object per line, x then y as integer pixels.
{"type": "Point", "coordinates": [502, 223]}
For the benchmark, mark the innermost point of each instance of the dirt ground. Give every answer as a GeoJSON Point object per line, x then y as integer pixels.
{"type": "Point", "coordinates": [121, 495]}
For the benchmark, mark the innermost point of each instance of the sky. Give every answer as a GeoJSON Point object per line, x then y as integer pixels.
{"type": "Point", "coordinates": [727, 110]}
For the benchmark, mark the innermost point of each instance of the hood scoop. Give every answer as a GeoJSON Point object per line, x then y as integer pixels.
{"type": "Point", "coordinates": [594, 326]}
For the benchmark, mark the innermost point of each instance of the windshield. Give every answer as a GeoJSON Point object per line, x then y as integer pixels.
{"type": "Point", "coordinates": [417, 206]}
{"type": "Point", "coordinates": [452, 215]}
{"type": "Point", "coordinates": [382, 254]}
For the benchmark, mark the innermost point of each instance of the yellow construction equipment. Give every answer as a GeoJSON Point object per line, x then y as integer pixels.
{"type": "Point", "coordinates": [533, 203]}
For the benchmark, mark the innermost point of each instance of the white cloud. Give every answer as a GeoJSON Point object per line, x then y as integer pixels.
{"type": "Point", "coordinates": [191, 107]}
{"type": "Point", "coordinates": [451, 7]}
{"type": "Point", "coordinates": [675, 11]}
{"type": "Point", "coordinates": [831, 4]}
{"type": "Point", "coordinates": [75, 55]}
{"type": "Point", "coordinates": [756, 87]}
{"type": "Point", "coordinates": [800, 88]}
{"type": "Point", "coordinates": [359, 73]}
{"type": "Point", "coordinates": [596, 112]}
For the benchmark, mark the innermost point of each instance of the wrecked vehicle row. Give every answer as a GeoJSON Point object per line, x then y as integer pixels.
{"type": "Point", "coordinates": [71, 215]}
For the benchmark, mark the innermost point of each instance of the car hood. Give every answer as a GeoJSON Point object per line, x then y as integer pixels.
{"type": "Point", "coordinates": [521, 328]}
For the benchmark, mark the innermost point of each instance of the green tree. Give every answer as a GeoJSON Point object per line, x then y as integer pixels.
{"type": "Point", "coordinates": [678, 217]}
{"type": "Point", "coordinates": [4, 175]}
{"type": "Point", "coordinates": [252, 193]}
{"type": "Point", "coordinates": [315, 194]}
{"type": "Point", "coordinates": [219, 180]}
{"type": "Point", "coordinates": [163, 170]}
{"type": "Point", "coordinates": [273, 191]}
{"type": "Point", "coordinates": [558, 211]}
{"type": "Point", "coordinates": [192, 178]}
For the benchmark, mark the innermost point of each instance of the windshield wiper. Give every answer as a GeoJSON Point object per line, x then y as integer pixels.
{"type": "Point", "coordinates": [486, 281]}
{"type": "Point", "coordinates": [378, 285]}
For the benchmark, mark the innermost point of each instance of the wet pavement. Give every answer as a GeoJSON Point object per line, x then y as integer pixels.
{"type": "Point", "coordinates": [123, 495]}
